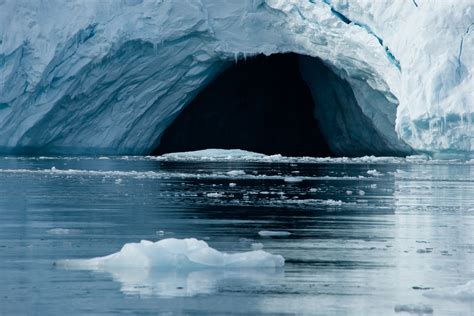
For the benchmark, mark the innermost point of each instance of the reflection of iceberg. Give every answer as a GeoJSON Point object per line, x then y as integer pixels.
{"type": "Point", "coordinates": [178, 267]}
{"type": "Point", "coordinates": [178, 283]}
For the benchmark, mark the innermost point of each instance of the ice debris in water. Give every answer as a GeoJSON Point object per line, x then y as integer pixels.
{"type": "Point", "coordinates": [273, 233]}
{"type": "Point", "coordinates": [60, 231]}
{"type": "Point", "coordinates": [459, 292]}
{"type": "Point", "coordinates": [374, 172]}
{"type": "Point", "coordinates": [329, 202]}
{"type": "Point", "coordinates": [215, 194]}
{"type": "Point", "coordinates": [171, 253]}
{"type": "Point", "coordinates": [248, 156]}
{"type": "Point", "coordinates": [293, 179]}
{"type": "Point", "coordinates": [234, 173]}
{"type": "Point", "coordinates": [418, 309]}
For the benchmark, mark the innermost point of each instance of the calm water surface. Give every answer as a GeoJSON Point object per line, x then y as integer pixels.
{"type": "Point", "coordinates": [362, 241]}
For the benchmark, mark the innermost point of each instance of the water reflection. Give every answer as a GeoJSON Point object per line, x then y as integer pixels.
{"type": "Point", "coordinates": [174, 283]}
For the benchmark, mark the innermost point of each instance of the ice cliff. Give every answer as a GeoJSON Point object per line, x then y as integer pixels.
{"type": "Point", "coordinates": [109, 76]}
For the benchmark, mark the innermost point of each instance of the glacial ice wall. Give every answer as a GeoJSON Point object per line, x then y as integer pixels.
{"type": "Point", "coordinates": [109, 76]}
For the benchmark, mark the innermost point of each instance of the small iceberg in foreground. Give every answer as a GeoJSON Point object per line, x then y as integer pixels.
{"type": "Point", "coordinates": [181, 268]}
{"type": "Point", "coordinates": [175, 254]}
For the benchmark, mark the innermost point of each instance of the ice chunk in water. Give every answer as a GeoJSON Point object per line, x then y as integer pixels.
{"type": "Point", "coordinates": [273, 233]}
{"type": "Point", "coordinates": [184, 254]}
{"type": "Point", "coordinates": [60, 231]}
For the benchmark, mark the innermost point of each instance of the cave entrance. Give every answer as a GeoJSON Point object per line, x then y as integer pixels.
{"type": "Point", "coordinates": [260, 104]}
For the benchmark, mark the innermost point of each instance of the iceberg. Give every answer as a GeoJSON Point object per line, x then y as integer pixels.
{"type": "Point", "coordinates": [179, 267]}
{"type": "Point", "coordinates": [110, 76]}
{"type": "Point", "coordinates": [175, 254]}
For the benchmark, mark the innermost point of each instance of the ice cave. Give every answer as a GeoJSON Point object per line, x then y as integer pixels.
{"type": "Point", "coordinates": [279, 104]}
{"type": "Point", "coordinates": [121, 77]}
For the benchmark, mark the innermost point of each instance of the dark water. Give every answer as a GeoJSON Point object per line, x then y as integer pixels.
{"type": "Point", "coordinates": [401, 230]}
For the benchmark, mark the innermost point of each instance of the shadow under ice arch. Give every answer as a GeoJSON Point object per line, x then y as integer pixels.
{"type": "Point", "coordinates": [286, 104]}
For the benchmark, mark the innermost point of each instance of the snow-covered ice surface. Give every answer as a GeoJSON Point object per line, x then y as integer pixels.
{"type": "Point", "coordinates": [405, 246]}
{"type": "Point", "coordinates": [108, 76]}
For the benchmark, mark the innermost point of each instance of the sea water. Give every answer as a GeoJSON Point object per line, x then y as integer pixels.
{"type": "Point", "coordinates": [364, 236]}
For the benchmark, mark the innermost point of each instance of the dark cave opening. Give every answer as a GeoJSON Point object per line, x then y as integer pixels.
{"type": "Point", "coordinates": [261, 104]}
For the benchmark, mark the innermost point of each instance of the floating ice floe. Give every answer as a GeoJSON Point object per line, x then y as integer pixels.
{"type": "Point", "coordinates": [61, 231]}
{"type": "Point", "coordinates": [293, 179]}
{"type": "Point", "coordinates": [175, 254]}
{"type": "Point", "coordinates": [273, 233]}
{"type": "Point", "coordinates": [234, 173]}
{"type": "Point", "coordinates": [329, 202]}
{"type": "Point", "coordinates": [215, 194]}
{"type": "Point", "coordinates": [374, 172]}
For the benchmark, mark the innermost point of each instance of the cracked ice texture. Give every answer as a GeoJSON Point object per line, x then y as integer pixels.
{"type": "Point", "coordinates": [109, 76]}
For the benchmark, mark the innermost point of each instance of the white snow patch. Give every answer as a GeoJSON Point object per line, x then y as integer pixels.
{"type": "Point", "coordinates": [183, 254]}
